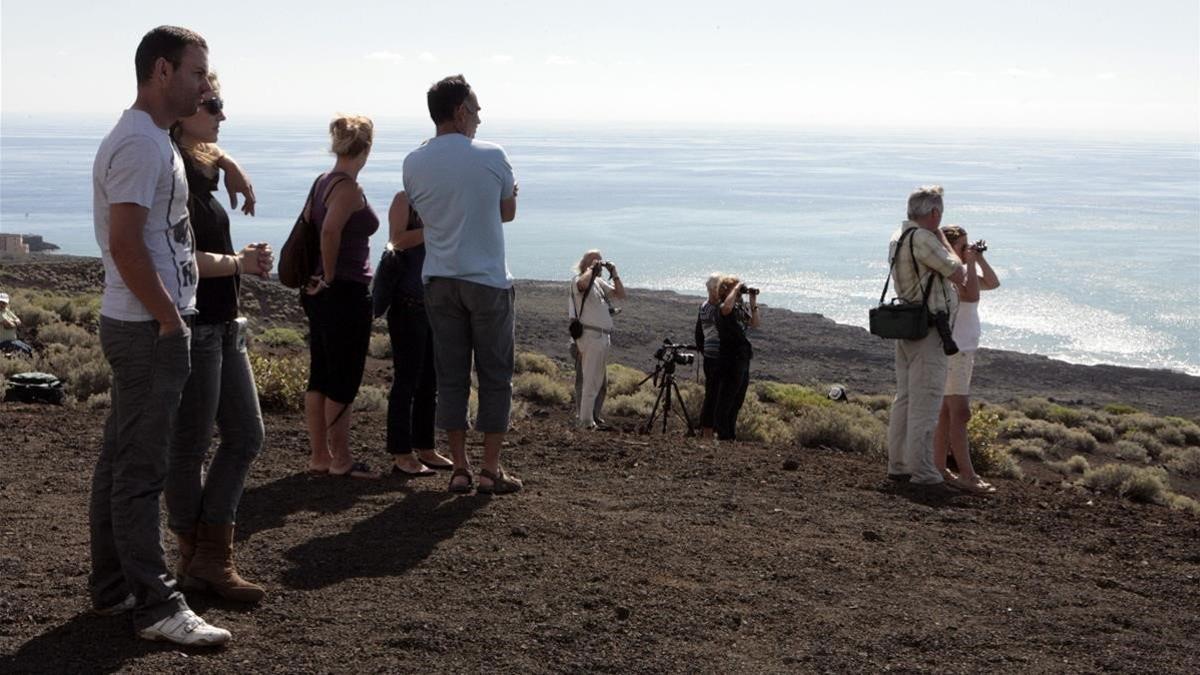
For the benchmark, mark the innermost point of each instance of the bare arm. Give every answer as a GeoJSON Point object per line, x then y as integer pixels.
{"type": "Point", "coordinates": [237, 181]}
{"type": "Point", "coordinates": [968, 290]}
{"type": "Point", "coordinates": [754, 311]}
{"type": "Point", "coordinates": [584, 280]}
{"type": "Point", "coordinates": [729, 302]}
{"type": "Point", "coordinates": [618, 287]}
{"type": "Point", "coordinates": [254, 259]}
{"type": "Point", "coordinates": [129, 254]}
{"type": "Point", "coordinates": [345, 200]}
{"type": "Point", "coordinates": [508, 207]}
{"type": "Point", "coordinates": [11, 324]}
{"type": "Point", "coordinates": [399, 236]}
{"type": "Point", "coordinates": [989, 281]}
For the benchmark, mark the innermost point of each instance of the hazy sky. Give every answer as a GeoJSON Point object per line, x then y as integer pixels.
{"type": "Point", "coordinates": [1100, 66]}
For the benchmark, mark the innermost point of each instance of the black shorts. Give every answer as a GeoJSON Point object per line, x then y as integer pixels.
{"type": "Point", "coordinates": [339, 324]}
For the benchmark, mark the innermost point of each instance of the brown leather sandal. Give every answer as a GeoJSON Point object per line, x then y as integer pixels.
{"type": "Point", "coordinates": [502, 483]}
{"type": "Point", "coordinates": [461, 488]}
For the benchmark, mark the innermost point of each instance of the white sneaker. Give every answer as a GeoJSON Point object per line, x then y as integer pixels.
{"type": "Point", "coordinates": [186, 628]}
{"type": "Point", "coordinates": [120, 608]}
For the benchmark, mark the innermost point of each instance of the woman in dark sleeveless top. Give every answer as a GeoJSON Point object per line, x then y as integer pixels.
{"type": "Point", "coordinates": [337, 302]}
{"type": "Point", "coordinates": [220, 390]}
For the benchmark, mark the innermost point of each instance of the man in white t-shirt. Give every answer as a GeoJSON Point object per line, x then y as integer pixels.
{"type": "Point", "coordinates": [150, 274]}
{"type": "Point", "coordinates": [464, 190]}
{"type": "Point", "coordinates": [591, 303]}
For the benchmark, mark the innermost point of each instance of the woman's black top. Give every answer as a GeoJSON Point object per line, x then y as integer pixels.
{"type": "Point", "coordinates": [216, 297]}
{"type": "Point", "coordinates": [731, 328]}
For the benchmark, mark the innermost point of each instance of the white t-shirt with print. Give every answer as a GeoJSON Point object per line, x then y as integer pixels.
{"type": "Point", "coordinates": [138, 164]}
{"type": "Point", "coordinates": [456, 184]}
{"type": "Point", "coordinates": [595, 310]}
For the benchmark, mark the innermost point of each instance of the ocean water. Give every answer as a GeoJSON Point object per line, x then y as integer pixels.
{"type": "Point", "coordinates": [1097, 244]}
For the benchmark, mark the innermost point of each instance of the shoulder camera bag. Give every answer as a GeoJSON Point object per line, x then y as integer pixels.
{"type": "Point", "coordinates": [900, 319]}
{"type": "Point", "coordinates": [576, 326]}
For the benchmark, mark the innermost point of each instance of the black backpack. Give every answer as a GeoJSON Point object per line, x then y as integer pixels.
{"type": "Point", "coordinates": [35, 388]}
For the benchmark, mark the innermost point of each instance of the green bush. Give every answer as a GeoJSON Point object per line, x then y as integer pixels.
{"type": "Point", "coordinates": [637, 404]}
{"type": "Point", "coordinates": [758, 422]}
{"type": "Point", "coordinates": [1055, 433]}
{"type": "Point", "coordinates": [1100, 431]}
{"type": "Point", "coordinates": [623, 380]}
{"type": "Point", "coordinates": [540, 388]}
{"type": "Point", "coordinates": [1120, 409]}
{"type": "Point", "coordinates": [66, 334]}
{"type": "Point", "coordinates": [1145, 422]}
{"type": "Point", "coordinates": [1130, 451]}
{"type": "Point", "coordinates": [281, 381]}
{"type": "Point", "coordinates": [1144, 484]}
{"type": "Point", "coordinates": [371, 398]}
{"type": "Point", "coordinates": [792, 397]}
{"type": "Point", "coordinates": [532, 362]}
{"type": "Point", "coordinates": [988, 455]}
{"type": "Point", "coordinates": [281, 336]}
{"type": "Point", "coordinates": [380, 347]}
{"type": "Point", "coordinates": [1031, 448]}
{"type": "Point", "coordinates": [1043, 409]}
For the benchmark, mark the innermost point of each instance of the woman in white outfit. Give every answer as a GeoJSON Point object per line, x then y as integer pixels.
{"type": "Point", "coordinates": [590, 303]}
{"type": "Point", "coordinates": [951, 432]}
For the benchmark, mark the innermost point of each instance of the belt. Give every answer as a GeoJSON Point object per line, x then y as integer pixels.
{"type": "Point", "coordinates": [606, 331]}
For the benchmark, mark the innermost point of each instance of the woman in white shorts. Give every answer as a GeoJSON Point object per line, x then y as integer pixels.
{"type": "Point", "coordinates": [951, 432]}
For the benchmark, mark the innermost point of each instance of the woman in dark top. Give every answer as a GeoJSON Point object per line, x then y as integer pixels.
{"type": "Point", "coordinates": [337, 301]}
{"type": "Point", "coordinates": [733, 320]}
{"type": "Point", "coordinates": [220, 389]}
{"type": "Point", "coordinates": [709, 344]}
{"type": "Point", "coordinates": [413, 398]}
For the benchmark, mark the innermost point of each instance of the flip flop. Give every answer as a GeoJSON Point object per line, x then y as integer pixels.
{"type": "Point", "coordinates": [439, 467]}
{"type": "Point", "coordinates": [461, 488]}
{"type": "Point", "coordinates": [357, 471]}
{"type": "Point", "coordinates": [423, 472]}
{"type": "Point", "coordinates": [318, 472]}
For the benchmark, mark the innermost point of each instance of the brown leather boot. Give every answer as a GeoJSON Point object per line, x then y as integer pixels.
{"type": "Point", "coordinates": [187, 550]}
{"type": "Point", "coordinates": [212, 566]}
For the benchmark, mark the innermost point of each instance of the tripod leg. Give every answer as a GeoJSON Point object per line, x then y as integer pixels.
{"type": "Point", "coordinates": [691, 429]}
{"type": "Point", "coordinates": [649, 425]}
{"type": "Point", "coordinates": [666, 390]}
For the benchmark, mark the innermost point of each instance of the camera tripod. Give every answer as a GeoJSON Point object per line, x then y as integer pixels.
{"type": "Point", "coordinates": [664, 379]}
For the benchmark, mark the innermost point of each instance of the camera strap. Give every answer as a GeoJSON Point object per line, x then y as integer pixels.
{"type": "Point", "coordinates": [574, 285]}
{"type": "Point", "coordinates": [916, 270]}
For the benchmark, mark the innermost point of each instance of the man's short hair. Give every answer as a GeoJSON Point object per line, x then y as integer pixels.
{"type": "Point", "coordinates": [166, 42]}
{"type": "Point", "coordinates": [924, 200]}
{"type": "Point", "coordinates": [445, 96]}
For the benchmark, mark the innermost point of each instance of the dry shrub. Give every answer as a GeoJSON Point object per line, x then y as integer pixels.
{"type": "Point", "coordinates": [874, 402]}
{"type": "Point", "coordinates": [1130, 451]}
{"type": "Point", "coordinates": [99, 401]}
{"type": "Point", "coordinates": [1144, 484]}
{"type": "Point", "coordinates": [281, 381]}
{"type": "Point", "coordinates": [281, 336]}
{"type": "Point", "coordinates": [845, 426]}
{"type": "Point", "coordinates": [11, 365]}
{"type": "Point", "coordinates": [1055, 433]}
{"type": "Point", "coordinates": [1150, 442]}
{"type": "Point", "coordinates": [371, 398]}
{"type": "Point", "coordinates": [34, 317]}
{"type": "Point", "coordinates": [1182, 503]}
{"type": "Point", "coordinates": [793, 397]}
{"type": "Point", "coordinates": [1190, 430]}
{"type": "Point", "coordinates": [1172, 435]}
{"type": "Point", "coordinates": [531, 362]}
{"type": "Point", "coordinates": [1074, 464]}
{"type": "Point", "coordinates": [82, 369]}
{"type": "Point", "coordinates": [1030, 448]}
{"type": "Point", "coordinates": [693, 398]}
{"type": "Point", "coordinates": [380, 347]}
{"type": "Point", "coordinates": [1183, 461]}
{"type": "Point", "coordinates": [1141, 421]}
{"type": "Point", "coordinates": [637, 404]}
{"type": "Point", "coordinates": [1100, 431]}
{"type": "Point", "coordinates": [759, 422]}
{"type": "Point", "coordinates": [541, 388]}
{"type": "Point", "coordinates": [1044, 409]}
{"type": "Point", "coordinates": [65, 334]}
{"type": "Point", "coordinates": [623, 380]}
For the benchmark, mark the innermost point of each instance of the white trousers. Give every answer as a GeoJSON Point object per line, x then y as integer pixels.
{"type": "Point", "coordinates": [920, 381]}
{"type": "Point", "coordinates": [593, 359]}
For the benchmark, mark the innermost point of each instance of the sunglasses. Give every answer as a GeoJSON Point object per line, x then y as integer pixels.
{"type": "Point", "coordinates": [214, 106]}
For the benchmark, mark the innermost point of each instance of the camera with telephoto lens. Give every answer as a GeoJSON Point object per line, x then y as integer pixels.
{"type": "Point", "coordinates": [670, 352]}
{"type": "Point", "coordinates": [941, 321]}
{"type": "Point", "coordinates": [747, 289]}
{"type": "Point", "coordinates": [979, 246]}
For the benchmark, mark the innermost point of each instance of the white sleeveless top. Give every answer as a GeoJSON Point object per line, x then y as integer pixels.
{"type": "Point", "coordinates": [966, 326]}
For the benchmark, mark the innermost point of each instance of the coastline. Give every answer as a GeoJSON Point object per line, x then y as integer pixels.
{"type": "Point", "coordinates": [791, 346]}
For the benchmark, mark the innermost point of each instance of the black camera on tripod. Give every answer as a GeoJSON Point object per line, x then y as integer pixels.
{"type": "Point", "coordinates": [672, 353]}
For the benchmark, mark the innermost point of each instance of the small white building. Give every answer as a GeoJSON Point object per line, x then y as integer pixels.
{"type": "Point", "coordinates": [13, 245]}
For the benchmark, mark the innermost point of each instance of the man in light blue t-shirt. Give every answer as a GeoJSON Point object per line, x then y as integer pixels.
{"type": "Point", "coordinates": [464, 190]}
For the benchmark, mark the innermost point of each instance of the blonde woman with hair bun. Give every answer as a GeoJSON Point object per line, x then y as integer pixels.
{"type": "Point", "coordinates": [337, 301]}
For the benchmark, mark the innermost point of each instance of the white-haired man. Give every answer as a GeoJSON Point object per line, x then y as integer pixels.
{"type": "Point", "coordinates": [921, 258]}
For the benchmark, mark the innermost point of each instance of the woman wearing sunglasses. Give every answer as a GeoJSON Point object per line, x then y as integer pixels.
{"type": "Point", "coordinates": [220, 389]}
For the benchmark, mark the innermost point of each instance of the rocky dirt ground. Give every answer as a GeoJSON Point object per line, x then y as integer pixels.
{"type": "Point", "coordinates": [633, 553]}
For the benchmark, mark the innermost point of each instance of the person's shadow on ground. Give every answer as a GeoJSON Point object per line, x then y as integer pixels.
{"type": "Point", "coordinates": [86, 644]}
{"type": "Point", "coordinates": [268, 506]}
{"type": "Point", "coordinates": [387, 544]}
